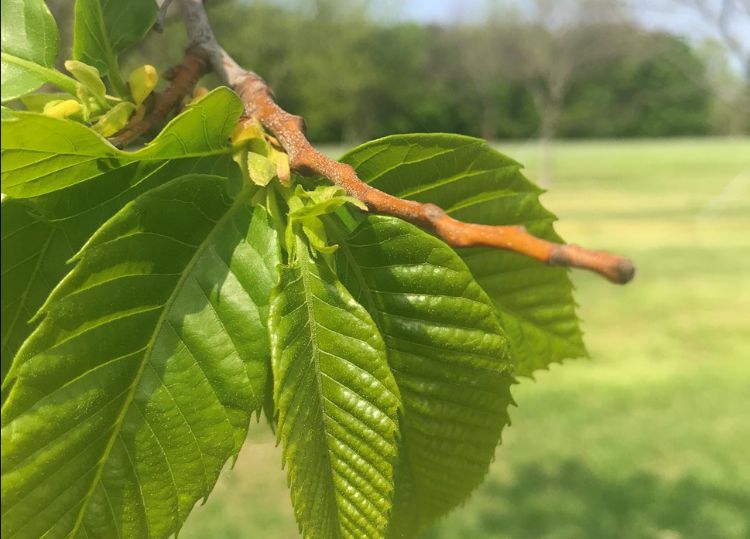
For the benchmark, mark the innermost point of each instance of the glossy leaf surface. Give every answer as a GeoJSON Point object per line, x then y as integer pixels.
{"type": "Point", "coordinates": [42, 233]}
{"type": "Point", "coordinates": [448, 355]}
{"type": "Point", "coordinates": [139, 383]}
{"type": "Point", "coordinates": [29, 46]}
{"type": "Point", "coordinates": [43, 154]}
{"type": "Point", "coordinates": [336, 402]}
{"type": "Point", "coordinates": [474, 183]}
{"type": "Point", "coordinates": [105, 28]}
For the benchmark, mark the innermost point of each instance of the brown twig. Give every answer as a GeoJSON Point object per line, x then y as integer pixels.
{"type": "Point", "coordinates": [183, 78]}
{"type": "Point", "coordinates": [303, 158]}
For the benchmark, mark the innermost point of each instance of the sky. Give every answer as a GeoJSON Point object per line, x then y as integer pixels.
{"type": "Point", "coordinates": [669, 15]}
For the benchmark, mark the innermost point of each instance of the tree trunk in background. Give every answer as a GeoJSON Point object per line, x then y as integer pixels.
{"type": "Point", "coordinates": [549, 111]}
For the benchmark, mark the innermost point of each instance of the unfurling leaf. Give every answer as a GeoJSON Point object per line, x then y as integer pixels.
{"type": "Point", "coordinates": [320, 201]}
{"type": "Point", "coordinates": [62, 108]}
{"type": "Point", "coordinates": [36, 102]}
{"type": "Point", "coordinates": [307, 207]}
{"type": "Point", "coordinates": [90, 85]}
{"type": "Point", "coordinates": [250, 134]}
{"type": "Point", "coordinates": [317, 236]}
{"type": "Point", "coordinates": [260, 169]}
{"type": "Point", "coordinates": [281, 160]}
{"type": "Point", "coordinates": [114, 119]}
{"type": "Point", "coordinates": [142, 82]}
{"type": "Point", "coordinates": [245, 130]}
{"type": "Point", "coordinates": [198, 93]}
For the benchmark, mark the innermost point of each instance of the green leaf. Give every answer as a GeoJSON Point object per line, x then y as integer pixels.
{"type": "Point", "coordinates": [36, 102]}
{"type": "Point", "coordinates": [90, 89]}
{"type": "Point", "coordinates": [142, 81]}
{"type": "Point", "coordinates": [68, 108]}
{"type": "Point", "coordinates": [139, 383]}
{"type": "Point", "coordinates": [261, 169]}
{"type": "Point", "coordinates": [25, 240]}
{"type": "Point", "coordinates": [449, 357]}
{"type": "Point", "coordinates": [474, 183]}
{"type": "Point", "coordinates": [336, 402]}
{"type": "Point", "coordinates": [40, 152]}
{"type": "Point", "coordinates": [114, 119]}
{"type": "Point", "coordinates": [105, 28]}
{"type": "Point", "coordinates": [41, 234]}
{"type": "Point", "coordinates": [88, 77]}
{"type": "Point", "coordinates": [43, 154]}
{"type": "Point", "coordinates": [202, 129]}
{"type": "Point", "coordinates": [29, 48]}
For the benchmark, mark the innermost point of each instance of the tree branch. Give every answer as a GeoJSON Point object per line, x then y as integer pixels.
{"type": "Point", "coordinates": [303, 158]}
{"type": "Point", "coordinates": [183, 78]}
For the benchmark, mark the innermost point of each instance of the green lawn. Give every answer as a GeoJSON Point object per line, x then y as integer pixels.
{"type": "Point", "coordinates": [650, 438]}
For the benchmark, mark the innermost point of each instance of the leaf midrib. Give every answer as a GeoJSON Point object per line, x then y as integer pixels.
{"type": "Point", "coordinates": [241, 199]}
{"type": "Point", "coordinates": [309, 299]}
{"type": "Point", "coordinates": [375, 312]}
{"type": "Point", "coordinates": [109, 52]}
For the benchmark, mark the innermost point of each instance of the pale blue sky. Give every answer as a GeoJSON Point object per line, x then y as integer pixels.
{"type": "Point", "coordinates": [669, 15]}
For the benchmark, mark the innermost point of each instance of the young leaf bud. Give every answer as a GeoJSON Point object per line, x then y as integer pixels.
{"type": "Point", "coordinates": [89, 82]}
{"type": "Point", "coordinates": [142, 82]}
{"type": "Point", "coordinates": [114, 120]}
{"type": "Point", "coordinates": [62, 108]}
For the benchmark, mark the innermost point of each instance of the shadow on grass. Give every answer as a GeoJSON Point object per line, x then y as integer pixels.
{"type": "Point", "coordinates": [570, 501]}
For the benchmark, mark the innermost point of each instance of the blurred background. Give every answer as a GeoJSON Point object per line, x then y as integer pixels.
{"type": "Point", "coordinates": [498, 69]}
{"type": "Point", "coordinates": [636, 117]}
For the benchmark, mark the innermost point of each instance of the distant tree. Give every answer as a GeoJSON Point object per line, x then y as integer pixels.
{"type": "Point", "coordinates": [719, 30]}
{"type": "Point", "coordinates": [729, 89]}
{"type": "Point", "coordinates": [655, 95]}
{"type": "Point", "coordinates": [551, 43]}
{"type": "Point", "coordinates": [504, 73]}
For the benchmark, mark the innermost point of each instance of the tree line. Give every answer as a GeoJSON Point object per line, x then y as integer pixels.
{"type": "Point", "coordinates": [355, 75]}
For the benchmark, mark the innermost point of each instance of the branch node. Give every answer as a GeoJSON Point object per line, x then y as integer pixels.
{"type": "Point", "coordinates": [433, 212]}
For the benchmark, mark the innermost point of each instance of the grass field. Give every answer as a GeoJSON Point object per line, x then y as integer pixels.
{"type": "Point", "coordinates": [650, 438]}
